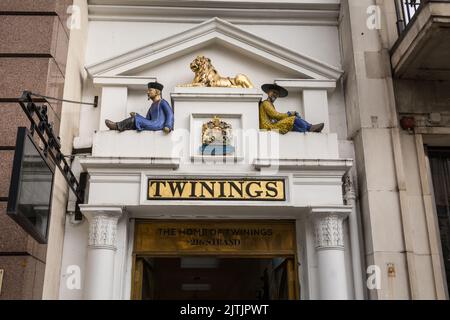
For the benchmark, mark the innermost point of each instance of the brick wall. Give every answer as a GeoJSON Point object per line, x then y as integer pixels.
{"type": "Point", "coordinates": [33, 52]}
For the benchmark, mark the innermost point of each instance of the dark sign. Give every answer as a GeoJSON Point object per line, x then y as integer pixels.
{"type": "Point", "coordinates": [30, 191]}
{"type": "Point", "coordinates": [223, 237]}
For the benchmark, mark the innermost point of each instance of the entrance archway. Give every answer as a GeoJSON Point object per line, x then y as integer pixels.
{"type": "Point", "coordinates": [238, 260]}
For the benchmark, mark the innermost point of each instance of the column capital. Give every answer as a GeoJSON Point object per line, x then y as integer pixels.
{"type": "Point", "coordinates": [102, 225]}
{"type": "Point", "coordinates": [328, 226]}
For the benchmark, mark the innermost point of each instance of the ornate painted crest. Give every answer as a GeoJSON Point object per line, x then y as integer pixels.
{"type": "Point", "coordinates": [216, 138]}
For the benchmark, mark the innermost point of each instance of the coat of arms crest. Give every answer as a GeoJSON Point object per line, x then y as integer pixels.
{"type": "Point", "coordinates": [216, 138]}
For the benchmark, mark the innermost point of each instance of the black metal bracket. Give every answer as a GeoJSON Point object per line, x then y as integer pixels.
{"type": "Point", "coordinates": [37, 114]}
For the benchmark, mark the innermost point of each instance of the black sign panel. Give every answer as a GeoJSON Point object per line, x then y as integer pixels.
{"type": "Point", "coordinates": [30, 191]}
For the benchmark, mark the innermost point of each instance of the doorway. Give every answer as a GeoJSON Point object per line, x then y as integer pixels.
{"type": "Point", "coordinates": [439, 159]}
{"type": "Point", "coordinates": [212, 260]}
{"type": "Point", "coordinates": [215, 278]}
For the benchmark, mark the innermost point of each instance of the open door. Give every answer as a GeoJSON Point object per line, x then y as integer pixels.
{"type": "Point", "coordinates": [214, 278]}
{"type": "Point", "coordinates": [281, 280]}
{"type": "Point", "coordinates": [144, 279]}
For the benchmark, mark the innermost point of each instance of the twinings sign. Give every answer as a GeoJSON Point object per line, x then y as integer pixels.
{"type": "Point", "coordinates": [215, 237]}
{"type": "Point", "coordinates": [216, 189]}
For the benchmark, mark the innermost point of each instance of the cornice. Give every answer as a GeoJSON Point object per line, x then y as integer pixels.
{"type": "Point", "coordinates": [308, 12]}
{"type": "Point", "coordinates": [90, 163]}
{"type": "Point", "coordinates": [249, 4]}
{"type": "Point", "coordinates": [317, 165]}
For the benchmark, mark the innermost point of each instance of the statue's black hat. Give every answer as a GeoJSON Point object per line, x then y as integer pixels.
{"type": "Point", "coordinates": [155, 85]}
{"type": "Point", "coordinates": [270, 86]}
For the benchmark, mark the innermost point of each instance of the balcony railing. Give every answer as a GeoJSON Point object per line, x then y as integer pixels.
{"type": "Point", "coordinates": [406, 11]}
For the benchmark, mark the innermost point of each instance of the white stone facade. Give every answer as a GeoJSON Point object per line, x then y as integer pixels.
{"type": "Point", "coordinates": [349, 178]}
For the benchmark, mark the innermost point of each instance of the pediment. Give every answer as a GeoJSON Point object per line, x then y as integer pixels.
{"type": "Point", "coordinates": [205, 34]}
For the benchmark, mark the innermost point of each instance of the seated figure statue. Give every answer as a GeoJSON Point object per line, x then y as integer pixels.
{"type": "Point", "coordinates": [159, 116]}
{"type": "Point", "coordinates": [271, 119]}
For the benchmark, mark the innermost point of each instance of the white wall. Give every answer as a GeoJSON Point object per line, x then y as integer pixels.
{"type": "Point", "coordinates": [73, 79]}
{"type": "Point", "coordinates": [110, 38]}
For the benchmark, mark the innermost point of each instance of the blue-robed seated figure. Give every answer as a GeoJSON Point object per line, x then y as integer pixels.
{"type": "Point", "coordinates": [159, 116]}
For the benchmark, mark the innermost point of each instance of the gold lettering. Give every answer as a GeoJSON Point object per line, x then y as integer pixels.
{"type": "Point", "coordinates": [189, 237]}
{"type": "Point", "coordinates": [218, 189]}
{"type": "Point", "coordinates": [273, 190]}
{"type": "Point", "coordinates": [234, 186]}
{"type": "Point", "coordinates": [157, 192]}
{"type": "Point", "coordinates": [193, 184]}
{"type": "Point", "coordinates": [177, 187]}
{"type": "Point", "coordinates": [257, 192]}
{"type": "Point", "coordinates": [208, 188]}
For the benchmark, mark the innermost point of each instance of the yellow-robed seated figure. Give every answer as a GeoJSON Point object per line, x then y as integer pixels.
{"type": "Point", "coordinates": [271, 119]}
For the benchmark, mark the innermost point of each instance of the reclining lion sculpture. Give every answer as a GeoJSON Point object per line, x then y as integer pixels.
{"type": "Point", "coordinates": [207, 76]}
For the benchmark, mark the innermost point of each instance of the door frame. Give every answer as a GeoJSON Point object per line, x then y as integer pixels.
{"type": "Point", "coordinates": [292, 258]}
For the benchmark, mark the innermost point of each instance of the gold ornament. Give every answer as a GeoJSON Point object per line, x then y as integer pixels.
{"type": "Point", "coordinates": [207, 76]}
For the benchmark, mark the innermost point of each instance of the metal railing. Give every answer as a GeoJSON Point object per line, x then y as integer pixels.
{"type": "Point", "coordinates": [406, 11]}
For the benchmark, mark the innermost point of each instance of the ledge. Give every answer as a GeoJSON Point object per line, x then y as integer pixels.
{"type": "Point", "coordinates": [93, 210]}
{"type": "Point", "coordinates": [300, 164]}
{"type": "Point", "coordinates": [215, 94]}
{"type": "Point", "coordinates": [123, 81]}
{"type": "Point", "coordinates": [131, 144]}
{"type": "Point", "coordinates": [129, 163]}
{"type": "Point", "coordinates": [296, 145]}
{"type": "Point", "coordinates": [308, 12]}
{"type": "Point", "coordinates": [432, 130]}
{"type": "Point", "coordinates": [325, 210]}
{"type": "Point", "coordinates": [307, 84]}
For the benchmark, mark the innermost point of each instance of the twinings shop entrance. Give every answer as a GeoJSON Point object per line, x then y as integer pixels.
{"type": "Point", "coordinates": [215, 260]}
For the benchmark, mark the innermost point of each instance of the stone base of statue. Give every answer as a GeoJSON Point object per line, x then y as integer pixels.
{"type": "Point", "coordinates": [216, 150]}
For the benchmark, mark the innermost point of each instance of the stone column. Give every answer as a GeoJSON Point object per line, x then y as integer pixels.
{"type": "Point", "coordinates": [355, 238]}
{"type": "Point", "coordinates": [329, 243]}
{"type": "Point", "coordinates": [99, 274]}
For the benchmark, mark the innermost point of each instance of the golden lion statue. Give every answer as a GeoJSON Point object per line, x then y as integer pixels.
{"type": "Point", "coordinates": [207, 76]}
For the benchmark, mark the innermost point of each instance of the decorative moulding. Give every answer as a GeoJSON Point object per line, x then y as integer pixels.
{"type": "Point", "coordinates": [305, 165]}
{"type": "Point", "coordinates": [214, 30]}
{"type": "Point", "coordinates": [307, 84]}
{"type": "Point", "coordinates": [95, 209]}
{"type": "Point", "coordinates": [322, 211]}
{"type": "Point", "coordinates": [214, 94]}
{"type": "Point", "coordinates": [102, 225]}
{"type": "Point", "coordinates": [328, 229]}
{"type": "Point", "coordinates": [89, 163]}
{"type": "Point", "coordinates": [280, 12]}
{"type": "Point", "coordinates": [130, 82]}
